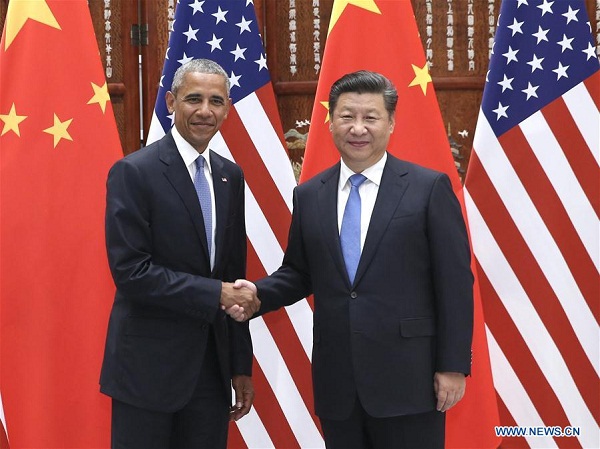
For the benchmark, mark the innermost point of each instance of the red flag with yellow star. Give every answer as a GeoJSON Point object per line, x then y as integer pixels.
{"type": "Point", "coordinates": [58, 138]}
{"type": "Point", "coordinates": [395, 50]}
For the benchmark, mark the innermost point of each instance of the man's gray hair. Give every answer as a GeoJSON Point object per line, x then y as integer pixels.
{"type": "Point", "coordinates": [198, 66]}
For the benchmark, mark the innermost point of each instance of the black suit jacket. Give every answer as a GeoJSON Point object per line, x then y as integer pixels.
{"type": "Point", "coordinates": [167, 298]}
{"type": "Point", "coordinates": [408, 313]}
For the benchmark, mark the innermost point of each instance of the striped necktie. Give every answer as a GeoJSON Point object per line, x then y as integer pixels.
{"type": "Point", "coordinates": [203, 192]}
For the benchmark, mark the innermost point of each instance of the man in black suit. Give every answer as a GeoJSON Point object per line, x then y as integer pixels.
{"type": "Point", "coordinates": [174, 250]}
{"type": "Point", "coordinates": [393, 317]}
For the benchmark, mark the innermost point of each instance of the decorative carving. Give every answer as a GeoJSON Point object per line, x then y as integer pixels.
{"type": "Point", "coordinates": [296, 144]}
{"type": "Point", "coordinates": [450, 36]}
{"type": "Point", "coordinates": [108, 39]}
{"type": "Point", "coordinates": [598, 27]}
{"type": "Point", "coordinates": [429, 32]}
{"type": "Point", "coordinates": [470, 36]}
{"type": "Point", "coordinates": [317, 35]}
{"type": "Point", "coordinates": [292, 26]}
{"type": "Point", "coordinates": [491, 25]}
{"type": "Point", "coordinates": [170, 15]}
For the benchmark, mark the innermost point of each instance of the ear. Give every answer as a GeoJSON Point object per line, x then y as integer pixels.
{"type": "Point", "coordinates": [229, 103]}
{"type": "Point", "coordinates": [170, 100]}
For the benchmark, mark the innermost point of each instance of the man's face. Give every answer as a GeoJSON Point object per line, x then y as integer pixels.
{"type": "Point", "coordinates": [361, 128]}
{"type": "Point", "coordinates": [200, 107]}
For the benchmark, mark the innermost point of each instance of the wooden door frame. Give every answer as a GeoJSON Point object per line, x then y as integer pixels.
{"type": "Point", "coordinates": [131, 90]}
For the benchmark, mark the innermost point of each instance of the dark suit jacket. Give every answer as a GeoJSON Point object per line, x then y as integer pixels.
{"type": "Point", "coordinates": [167, 298]}
{"type": "Point", "coordinates": [409, 312]}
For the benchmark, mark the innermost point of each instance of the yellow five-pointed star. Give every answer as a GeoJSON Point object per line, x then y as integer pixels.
{"type": "Point", "coordinates": [326, 105]}
{"type": "Point", "coordinates": [101, 96]}
{"type": "Point", "coordinates": [20, 11]}
{"type": "Point", "coordinates": [59, 130]}
{"type": "Point", "coordinates": [340, 5]}
{"type": "Point", "coordinates": [11, 121]}
{"type": "Point", "coordinates": [422, 77]}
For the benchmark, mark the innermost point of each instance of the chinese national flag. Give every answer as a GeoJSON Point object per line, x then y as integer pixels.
{"type": "Point", "coordinates": [395, 50]}
{"type": "Point", "coordinates": [58, 139]}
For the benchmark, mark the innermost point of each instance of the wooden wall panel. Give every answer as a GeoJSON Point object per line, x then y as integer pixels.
{"type": "Point", "coordinates": [3, 7]}
{"type": "Point", "coordinates": [463, 28]}
{"type": "Point", "coordinates": [295, 80]}
{"type": "Point", "coordinates": [113, 20]}
{"type": "Point", "coordinates": [158, 15]}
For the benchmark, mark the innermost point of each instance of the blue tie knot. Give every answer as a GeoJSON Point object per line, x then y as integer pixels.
{"type": "Point", "coordinates": [357, 179]}
{"type": "Point", "coordinates": [200, 163]}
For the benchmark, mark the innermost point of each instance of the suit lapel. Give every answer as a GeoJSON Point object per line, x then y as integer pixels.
{"type": "Point", "coordinates": [222, 192]}
{"type": "Point", "coordinates": [391, 190]}
{"type": "Point", "coordinates": [328, 220]}
{"type": "Point", "coordinates": [179, 177]}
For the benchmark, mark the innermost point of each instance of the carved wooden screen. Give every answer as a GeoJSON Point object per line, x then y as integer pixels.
{"type": "Point", "coordinates": [113, 21]}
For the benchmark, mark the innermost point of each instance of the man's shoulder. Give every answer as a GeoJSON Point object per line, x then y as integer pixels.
{"type": "Point", "coordinates": [150, 154]}
{"type": "Point", "coordinates": [320, 178]}
{"type": "Point", "coordinates": [225, 161]}
{"type": "Point", "coordinates": [147, 151]}
{"type": "Point", "coordinates": [412, 168]}
{"type": "Point", "coordinates": [226, 164]}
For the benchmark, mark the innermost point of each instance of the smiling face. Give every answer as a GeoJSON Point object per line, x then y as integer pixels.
{"type": "Point", "coordinates": [361, 128]}
{"type": "Point", "coordinates": [200, 105]}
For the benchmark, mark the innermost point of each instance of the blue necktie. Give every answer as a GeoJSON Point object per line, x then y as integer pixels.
{"type": "Point", "coordinates": [350, 232]}
{"type": "Point", "coordinates": [203, 192]}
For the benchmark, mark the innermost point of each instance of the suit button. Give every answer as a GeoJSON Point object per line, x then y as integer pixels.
{"type": "Point", "coordinates": [353, 295]}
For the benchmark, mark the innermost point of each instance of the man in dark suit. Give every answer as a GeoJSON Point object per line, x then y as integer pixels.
{"type": "Point", "coordinates": [175, 235]}
{"type": "Point", "coordinates": [393, 316]}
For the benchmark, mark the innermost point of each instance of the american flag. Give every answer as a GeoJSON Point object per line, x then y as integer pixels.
{"type": "Point", "coordinates": [532, 199]}
{"type": "Point", "coordinates": [227, 32]}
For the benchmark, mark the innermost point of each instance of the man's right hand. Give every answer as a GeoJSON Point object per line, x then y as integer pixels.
{"type": "Point", "coordinates": [243, 300]}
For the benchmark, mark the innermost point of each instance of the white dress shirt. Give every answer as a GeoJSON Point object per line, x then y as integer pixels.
{"type": "Point", "coordinates": [189, 155]}
{"type": "Point", "coordinates": [368, 194]}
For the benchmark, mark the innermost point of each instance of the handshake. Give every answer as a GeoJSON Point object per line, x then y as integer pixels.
{"type": "Point", "coordinates": [239, 300]}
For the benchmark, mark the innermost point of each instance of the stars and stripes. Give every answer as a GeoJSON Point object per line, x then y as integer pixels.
{"type": "Point", "coordinates": [533, 204]}
{"type": "Point", "coordinates": [227, 32]}
{"type": "Point", "coordinates": [544, 49]}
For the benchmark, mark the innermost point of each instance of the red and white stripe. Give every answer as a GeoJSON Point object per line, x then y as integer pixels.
{"type": "Point", "coordinates": [3, 433]}
{"type": "Point", "coordinates": [532, 200]}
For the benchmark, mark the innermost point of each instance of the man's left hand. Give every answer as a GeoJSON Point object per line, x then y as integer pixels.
{"type": "Point", "coordinates": [449, 389]}
{"type": "Point", "coordinates": [244, 396]}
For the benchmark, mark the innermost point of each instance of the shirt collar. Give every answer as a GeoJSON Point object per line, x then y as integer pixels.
{"type": "Point", "coordinates": [373, 173]}
{"type": "Point", "coordinates": [188, 153]}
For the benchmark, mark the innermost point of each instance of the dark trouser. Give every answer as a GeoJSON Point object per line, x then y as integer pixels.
{"type": "Point", "coordinates": [361, 431]}
{"type": "Point", "coordinates": [201, 424]}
